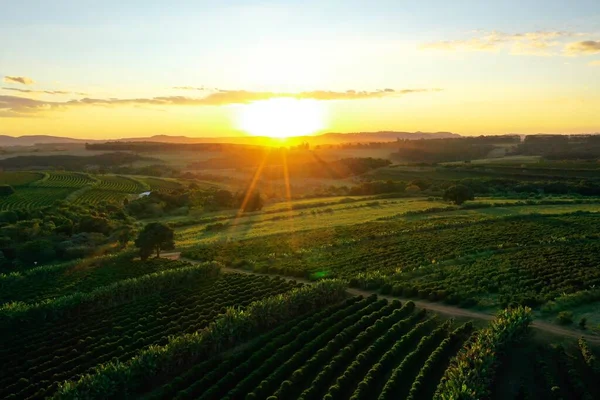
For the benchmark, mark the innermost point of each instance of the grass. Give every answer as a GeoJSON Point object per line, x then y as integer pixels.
{"type": "Point", "coordinates": [338, 211]}
{"type": "Point", "coordinates": [300, 220]}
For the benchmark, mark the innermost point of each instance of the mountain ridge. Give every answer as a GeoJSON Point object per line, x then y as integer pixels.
{"type": "Point", "coordinates": [325, 138]}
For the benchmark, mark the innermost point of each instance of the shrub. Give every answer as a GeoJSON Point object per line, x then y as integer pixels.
{"type": "Point", "coordinates": [472, 371]}
{"type": "Point", "coordinates": [564, 318]}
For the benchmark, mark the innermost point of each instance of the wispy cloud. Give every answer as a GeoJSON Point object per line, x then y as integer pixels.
{"type": "Point", "coordinates": [53, 92]}
{"type": "Point", "coordinates": [19, 79]}
{"type": "Point", "coordinates": [530, 43]}
{"type": "Point", "coordinates": [19, 106]}
{"type": "Point", "coordinates": [201, 88]}
{"type": "Point", "coordinates": [595, 63]}
{"type": "Point", "coordinates": [583, 48]}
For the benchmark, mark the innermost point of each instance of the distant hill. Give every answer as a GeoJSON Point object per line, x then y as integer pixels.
{"type": "Point", "coordinates": [326, 138]}
{"type": "Point", "coordinates": [32, 140]}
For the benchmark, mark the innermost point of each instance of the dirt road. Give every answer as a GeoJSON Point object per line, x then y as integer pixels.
{"type": "Point", "coordinates": [435, 307]}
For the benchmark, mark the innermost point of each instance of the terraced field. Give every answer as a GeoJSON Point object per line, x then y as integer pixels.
{"type": "Point", "coordinates": [33, 197]}
{"type": "Point", "coordinates": [162, 185]}
{"type": "Point", "coordinates": [110, 189]}
{"type": "Point", "coordinates": [17, 179]}
{"type": "Point", "coordinates": [73, 180]}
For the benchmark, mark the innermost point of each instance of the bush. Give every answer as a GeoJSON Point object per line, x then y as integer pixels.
{"type": "Point", "coordinates": [564, 318]}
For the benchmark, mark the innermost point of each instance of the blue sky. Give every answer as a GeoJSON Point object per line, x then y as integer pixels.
{"type": "Point", "coordinates": [142, 49]}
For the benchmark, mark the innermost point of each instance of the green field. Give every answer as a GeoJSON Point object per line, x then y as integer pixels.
{"type": "Point", "coordinates": [41, 189]}
{"type": "Point", "coordinates": [382, 296]}
{"type": "Point", "coordinates": [115, 322]}
{"type": "Point", "coordinates": [17, 179]}
{"type": "Point", "coordinates": [33, 197]}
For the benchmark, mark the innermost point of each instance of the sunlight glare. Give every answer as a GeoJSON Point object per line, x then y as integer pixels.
{"type": "Point", "coordinates": [281, 117]}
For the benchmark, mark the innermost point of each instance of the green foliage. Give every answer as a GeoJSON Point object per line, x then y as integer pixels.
{"type": "Point", "coordinates": [458, 194]}
{"type": "Point", "coordinates": [154, 237]}
{"type": "Point", "coordinates": [564, 318]}
{"type": "Point", "coordinates": [234, 326]}
{"type": "Point", "coordinates": [528, 260]}
{"type": "Point", "coordinates": [473, 370]}
{"type": "Point", "coordinates": [105, 296]}
{"type": "Point", "coordinates": [67, 347]}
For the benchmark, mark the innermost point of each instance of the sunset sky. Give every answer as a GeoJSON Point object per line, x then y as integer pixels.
{"type": "Point", "coordinates": [111, 69]}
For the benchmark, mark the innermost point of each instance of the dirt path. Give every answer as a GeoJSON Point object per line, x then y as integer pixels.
{"type": "Point", "coordinates": [435, 307]}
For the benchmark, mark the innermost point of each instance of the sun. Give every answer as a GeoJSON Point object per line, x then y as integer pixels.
{"type": "Point", "coordinates": [281, 117]}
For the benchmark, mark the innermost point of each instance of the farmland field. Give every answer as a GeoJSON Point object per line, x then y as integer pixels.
{"type": "Point", "coordinates": [111, 189]}
{"type": "Point", "coordinates": [430, 258]}
{"type": "Point", "coordinates": [256, 303]}
{"type": "Point", "coordinates": [115, 323]}
{"type": "Point", "coordinates": [34, 197]}
{"type": "Point", "coordinates": [343, 353]}
{"type": "Point", "coordinates": [65, 180]}
{"type": "Point", "coordinates": [162, 184]}
{"type": "Point", "coordinates": [19, 178]}
{"type": "Point", "coordinates": [49, 282]}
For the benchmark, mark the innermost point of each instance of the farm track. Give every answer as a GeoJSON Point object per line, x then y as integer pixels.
{"type": "Point", "coordinates": [435, 307]}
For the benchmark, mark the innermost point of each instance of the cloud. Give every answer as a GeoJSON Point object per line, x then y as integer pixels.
{"type": "Point", "coordinates": [583, 47]}
{"type": "Point", "coordinates": [189, 88]}
{"type": "Point", "coordinates": [19, 79]}
{"type": "Point", "coordinates": [14, 106]}
{"type": "Point", "coordinates": [53, 92]}
{"type": "Point", "coordinates": [531, 43]}
{"type": "Point", "coordinates": [595, 63]}
{"type": "Point", "coordinates": [19, 106]}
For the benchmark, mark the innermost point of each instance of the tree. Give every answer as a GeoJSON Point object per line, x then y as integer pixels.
{"type": "Point", "coordinates": [124, 235]}
{"type": "Point", "coordinates": [458, 194]}
{"type": "Point", "coordinates": [154, 237]}
{"type": "Point", "coordinates": [254, 203]}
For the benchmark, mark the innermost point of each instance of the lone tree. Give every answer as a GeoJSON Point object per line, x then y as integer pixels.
{"type": "Point", "coordinates": [458, 194]}
{"type": "Point", "coordinates": [154, 237]}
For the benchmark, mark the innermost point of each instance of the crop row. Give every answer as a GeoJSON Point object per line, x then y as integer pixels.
{"type": "Point", "coordinates": [45, 283]}
{"type": "Point", "coordinates": [100, 196]}
{"type": "Point", "coordinates": [65, 180]}
{"type": "Point", "coordinates": [38, 357]}
{"type": "Point", "coordinates": [33, 197]}
{"type": "Point", "coordinates": [120, 184]}
{"type": "Point", "coordinates": [521, 276]}
{"type": "Point", "coordinates": [527, 260]}
{"type": "Point", "coordinates": [326, 355]}
{"type": "Point", "coordinates": [162, 185]}
{"type": "Point", "coordinates": [393, 246]}
{"type": "Point", "coordinates": [20, 178]}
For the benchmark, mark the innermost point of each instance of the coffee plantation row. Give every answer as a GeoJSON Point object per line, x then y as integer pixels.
{"type": "Point", "coordinates": [48, 282]}
{"type": "Point", "coordinates": [49, 342]}
{"type": "Point", "coordinates": [361, 348]}
{"type": "Point", "coordinates": [325, 355]}
{"type": "Point", "coordinates": [525, 259]}
{"type": "Point", "coordinates": [41, 189]}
